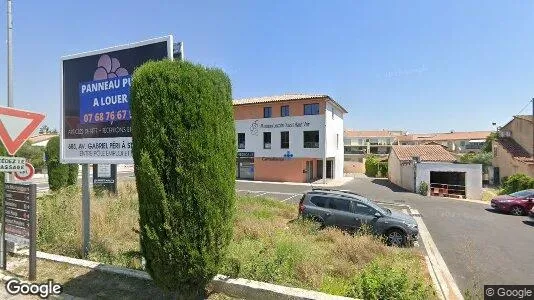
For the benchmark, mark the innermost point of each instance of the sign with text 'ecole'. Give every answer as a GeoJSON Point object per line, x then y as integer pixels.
{"type": "Point", "coordinates": [95, 101]}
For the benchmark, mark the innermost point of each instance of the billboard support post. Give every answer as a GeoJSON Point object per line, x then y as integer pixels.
{"type": "Point", "coordinates": [86, 213]}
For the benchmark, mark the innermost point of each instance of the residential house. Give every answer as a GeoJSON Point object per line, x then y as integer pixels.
{"type": "Point", "coordinates": [513, 149]}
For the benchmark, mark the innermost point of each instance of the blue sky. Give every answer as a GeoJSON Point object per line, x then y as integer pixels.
{"type": "Point", "coordinates": [424, 66]}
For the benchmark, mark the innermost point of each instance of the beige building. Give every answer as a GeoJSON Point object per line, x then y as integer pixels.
{"type": "Point", "coordinates": [359, 143]}
{"type": "Point", "coordinates": [513, 150]}
{"type": "Point", "coordinates": [458, 142]}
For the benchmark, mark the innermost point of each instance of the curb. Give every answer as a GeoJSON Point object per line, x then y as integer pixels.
{"type": "Point", "coordinates": [439, 272]}
{"type": "Point", "coordinates": [240, 288]}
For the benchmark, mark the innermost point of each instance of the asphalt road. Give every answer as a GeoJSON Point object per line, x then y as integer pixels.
{"type": "Point", "coordinates": [478, 245]}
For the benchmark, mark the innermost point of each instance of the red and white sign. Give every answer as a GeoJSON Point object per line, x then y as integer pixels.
{"type": "Point", "coordinates": [25, 174]}
{"type": "Point", "coordinates": [16, 126]}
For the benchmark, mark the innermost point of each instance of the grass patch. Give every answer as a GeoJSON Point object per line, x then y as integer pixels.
{"type": "Point", "coordinates": [269, 244]}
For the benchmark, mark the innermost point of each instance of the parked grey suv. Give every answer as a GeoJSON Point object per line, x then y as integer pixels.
{"type": "Point", "coordinates": [349, 211]}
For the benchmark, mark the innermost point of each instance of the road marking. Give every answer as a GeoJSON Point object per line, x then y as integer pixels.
{"type": "Point", "coordinates": [446, 283]}
{"type": "Point", "coordinates": [261, 194]}
{"type": "Point", "coordinates": [267, 192]}
{"type": "Point", "coordinates": [291, 197]}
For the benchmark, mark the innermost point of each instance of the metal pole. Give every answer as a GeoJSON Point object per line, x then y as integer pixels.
{"type": "Point", "coordinates": [33, 234]}
{"type": "Point", "coordinates": [9, 104]}
{"type": "Point", "coordinates": [9, 54]}
{"type": "Point", "coordinates": [533, 128]}
{"type": "Point", "coordinates": [85, 211]}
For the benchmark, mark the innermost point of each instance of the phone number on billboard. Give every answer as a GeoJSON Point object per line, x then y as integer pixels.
{"type": "Point", "coordinates": [108, 116]}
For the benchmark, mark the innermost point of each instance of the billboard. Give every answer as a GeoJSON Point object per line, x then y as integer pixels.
{"type": "Point", "coordinates": [95, 96]}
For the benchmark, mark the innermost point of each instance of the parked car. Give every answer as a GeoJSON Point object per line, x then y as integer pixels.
{"type": "Point", "coordinates": [531, 214]}
{"type": "Point", "coordinates": [518, 203]}
{"type": "Point", "coordinates": [349, 211]}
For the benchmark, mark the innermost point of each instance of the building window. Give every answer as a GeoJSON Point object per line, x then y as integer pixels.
{"type": "Point", "coordinates": [266, 140]}
{"type": "Point", "coordinates": [284, 139]}
{"type": "Point", "coordinates": [311, 139]}
{"type": "Point", "coordinates": [311, 109]}
{"type": "Point", "coordinates": [337, 141]}
{"type": "Point", "coordinates": [267, 112]}
{"type": "Point", "coordinates": [241, 140]}
{"type": "Point", "coordinates": [284, 111]}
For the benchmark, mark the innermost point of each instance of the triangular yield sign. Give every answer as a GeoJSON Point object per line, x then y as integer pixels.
{"type": "Point", "coordinates": [16, 126]}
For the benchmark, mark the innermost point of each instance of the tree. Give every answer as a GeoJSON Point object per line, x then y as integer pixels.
{"type": "Point", "coordinates": [33, 155]}
{"type": "Point", "coordinates": [59, 175]}
{"type": "Point", "coordinates": [44, 129]}
{"type": "Point", "coordinates": [184, 151]}
{"type": "Point", "coordinates": [483, 158]}
{"type": "Point", "coordinates": [489, 140]}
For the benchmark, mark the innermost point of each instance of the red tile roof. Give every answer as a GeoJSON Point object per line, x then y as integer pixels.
{"type": "Point", "coordinates": [41, 137]}
{"type": "Point", "coordinates": [515, 150]}
{"type": "Point", "coordinates": [449, 136]}
{"type": "Point", "coordinates": [424, 152]}
{"type": "Point", "coordinates": [369, 133]}
{"type": "Point", "coordinates": [286, 97]}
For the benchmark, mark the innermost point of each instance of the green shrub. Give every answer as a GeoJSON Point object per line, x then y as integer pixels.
{"type": "Point", "coordinates": [59, 175]}
{"type": "Point", "coordinates": [382, 281]}
{"type": "Point", "coordinates": [72, 178]}
{"type": "Point", "coordinates": [423, 188]}
{"type": "Point", "coordinates": [383, 169]}
{"type": "Point", "coordinates": [371, 165]}
{"type": "Point", "coordinates": [57, 172]}
{"type": "Point", "coordinates": [184, 150]}
{"type": "Point", "coordinates": [517, 182]}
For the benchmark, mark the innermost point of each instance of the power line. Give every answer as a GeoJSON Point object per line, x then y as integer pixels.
{"type": "Point", "coordinates": [526, 105]}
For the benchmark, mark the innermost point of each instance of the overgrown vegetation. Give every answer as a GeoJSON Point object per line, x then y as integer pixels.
{"type": "Point", "coordinates": [268, 245]}
{"type": "Point", "coordinates": [184, 153]}
{"type": "Point", "coordinates": [515, 183]}
{"type": "Point", "coordinates": [371, 165]}
{"type": "Point", "coordinates": [483, 158]}
{"type": "Point", "coordinates": [59, 175]}
{"type": "Point", "coordinates": [489, 140]}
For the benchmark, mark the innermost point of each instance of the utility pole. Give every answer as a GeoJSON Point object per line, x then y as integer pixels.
{"type": "Point", "coordinates": [9, 54]}
{"type": "Point", "coordinates": [8, 177]}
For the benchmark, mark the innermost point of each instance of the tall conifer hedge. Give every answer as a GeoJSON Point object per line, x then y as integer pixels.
{"type": "Point", "coordinates": [184, 150]}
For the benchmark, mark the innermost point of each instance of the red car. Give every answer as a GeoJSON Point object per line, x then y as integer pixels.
{"type": "Point", "coordinates": [518, 203]}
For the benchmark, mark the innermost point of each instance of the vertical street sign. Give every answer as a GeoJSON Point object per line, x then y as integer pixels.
{"type": "Point", "coordinates": [20, 219]}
